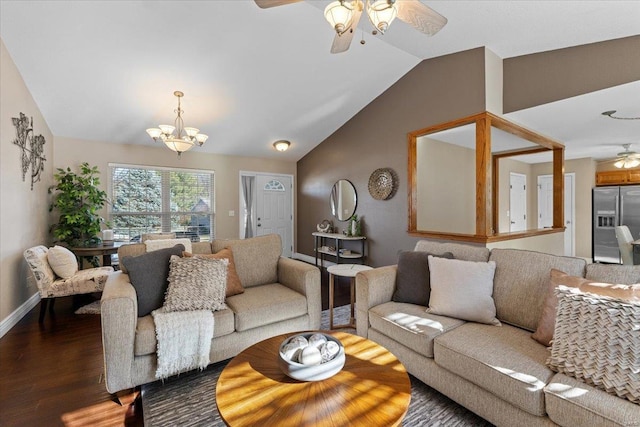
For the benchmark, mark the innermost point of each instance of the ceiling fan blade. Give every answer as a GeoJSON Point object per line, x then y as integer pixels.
{"type": "Point", "coordinates": [341, 42]}
{"type": "Point", "coordinates": [420, 17]}
{"type": "Point", "coordinates": [265, 4]}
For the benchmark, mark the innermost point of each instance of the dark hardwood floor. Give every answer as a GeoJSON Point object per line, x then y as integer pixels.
{"type": "Point", "coordinates": [51, 374]}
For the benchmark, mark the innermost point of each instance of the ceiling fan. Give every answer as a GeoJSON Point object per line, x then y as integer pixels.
{"type": "Point", "coordinates": [626, 159]}
{"type": "Point", "coordinates": [344, 15]}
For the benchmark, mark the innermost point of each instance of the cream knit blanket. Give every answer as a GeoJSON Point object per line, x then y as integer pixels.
{"type": "Point", "coordinates": [183, 340]}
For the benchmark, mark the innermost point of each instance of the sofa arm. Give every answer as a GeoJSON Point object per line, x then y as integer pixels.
{"type": "Point", "coordinates": [373, 287]}
{"type": "Point", "coordinates": [119, 314]}
{"type": "Point", "coordinates": [305, 279]}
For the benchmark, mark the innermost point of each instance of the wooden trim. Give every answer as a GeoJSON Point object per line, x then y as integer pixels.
{"type": "Point", "coordinates": [412, 182]}
{"type": "Point", "coordinates": [558, 188]}
{"type": "Point", "coordinates": [495, 194]}
{"type": "Point", "coordinates": [447, 125]}
{"type": "Point", "coordinates": [484, 217]}
{"type": "Point", "coordinates": [523, 132]}
{"type": "Point", "coordinates": [520, 152]}
{"type": "Point", "coordinates": [498, 237]}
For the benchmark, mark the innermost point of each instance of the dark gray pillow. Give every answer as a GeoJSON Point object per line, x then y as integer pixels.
{"type": "Point", "coordinates": [148, 274]}
{"type": "Point", "coordinates": [413, 284]}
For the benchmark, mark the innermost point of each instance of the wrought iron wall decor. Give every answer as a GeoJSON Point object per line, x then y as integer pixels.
{"type": "Point", "coordinates": [32, 147]}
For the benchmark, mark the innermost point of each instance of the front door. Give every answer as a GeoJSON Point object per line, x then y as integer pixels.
{"type": "Point", "coordinates": [274, 209]}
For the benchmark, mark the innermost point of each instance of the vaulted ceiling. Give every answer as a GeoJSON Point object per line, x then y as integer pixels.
{"type": "Point", "coordinates": [107, 70]}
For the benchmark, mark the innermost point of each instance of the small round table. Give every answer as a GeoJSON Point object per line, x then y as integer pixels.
{"type": "Point", "coordinates": [344, 270]}
{"type": "Point", "coordinates": [373, 388]}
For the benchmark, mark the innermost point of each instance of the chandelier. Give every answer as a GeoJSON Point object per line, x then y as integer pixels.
{"type": "Point", "coordinates": [381, 13]}
{"type": "Point", "coordinates": [184, 138]}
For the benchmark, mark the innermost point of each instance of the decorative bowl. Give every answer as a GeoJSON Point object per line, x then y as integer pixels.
{"type": "Point", "coordinates": [317, 372]}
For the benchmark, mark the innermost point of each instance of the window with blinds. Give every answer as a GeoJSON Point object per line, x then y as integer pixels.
{"type": "Point", "coordinates": [152, 200]}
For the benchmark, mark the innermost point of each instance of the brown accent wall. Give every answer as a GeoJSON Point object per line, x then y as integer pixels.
{"type": "Point", "coordinates": [545, 77]}
{"type": "Point", "coordinates": [435, 91]}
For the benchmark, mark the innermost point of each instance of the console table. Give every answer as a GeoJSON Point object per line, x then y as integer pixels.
{"type": "Point", "coordinates": [338, 251]}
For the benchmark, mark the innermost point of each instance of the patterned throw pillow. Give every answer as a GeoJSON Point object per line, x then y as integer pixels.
{"type": "Point", "coordinates": [234, 286]}
{"type": "Point", "coordinates": [196, 284]}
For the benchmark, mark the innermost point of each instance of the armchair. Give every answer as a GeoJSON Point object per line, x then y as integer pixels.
{"type": "Point", "coordinates": [50, 286]}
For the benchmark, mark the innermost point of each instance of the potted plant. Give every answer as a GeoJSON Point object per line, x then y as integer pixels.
{"type": "Point", "coordinates": [78, 201]}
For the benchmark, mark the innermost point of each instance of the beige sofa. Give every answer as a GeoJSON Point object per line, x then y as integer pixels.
{"type": "Point", "coordinates": [281, 295]}
{"type": "Point", "coordinates": [497, 372]}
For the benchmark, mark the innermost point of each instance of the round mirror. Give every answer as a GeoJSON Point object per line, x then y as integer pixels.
{"type": "Point", "coordinates": [343, 200]}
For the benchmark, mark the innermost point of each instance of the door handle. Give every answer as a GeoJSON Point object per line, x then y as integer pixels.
{"type": "Point", "coordinates": [513, 222]}
{"type": "Point", "coordinates": [259, 224]}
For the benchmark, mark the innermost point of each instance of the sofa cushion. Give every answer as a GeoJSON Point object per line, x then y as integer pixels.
{"type": "Point", "coordinates": [145, 338]}
{"type": "Point", "coordinates": [462, 289]}
{"type": "Point", "coordinates": [613, 273]}
{"type": "Point", "coordinates": [256, 258]}
{"type": "Point", "coordinates": [411, 325]}
{"type": "Point", "coordinates": [570, 402]}
{"type": "Point", "coordinates": [412, 278]}
{"type": "Point", "coordinates": [521, 280]}
{"type": "Point", "coordinates": [154, 245]}
{"type": "Point", "coordinates": [459, 250]}
{"type": "Point", "coordinates": [234, 286]}
{"type": "Point", "coordinates": [504, 361]}
{"type": "Point", "coordinates": [62, 261]}
{"type": "Point", "coordinates": [196, 284]}
{"type": "Point", "coordinates": [262, 305]}
{"type": "Point", "coordinates": [148, 274]}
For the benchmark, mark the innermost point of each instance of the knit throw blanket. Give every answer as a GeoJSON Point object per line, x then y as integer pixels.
{"type": "Point", "coordinates": [184, 340]}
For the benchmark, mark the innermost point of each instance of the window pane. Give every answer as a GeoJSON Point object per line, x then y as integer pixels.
{"type": "Point", "coordinates": [164, 200]}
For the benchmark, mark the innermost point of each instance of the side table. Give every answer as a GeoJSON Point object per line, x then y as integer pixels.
{"type": "Point", "coordinates": [344, 270]}
{"type": "Point", "coordinates": [105, 251]}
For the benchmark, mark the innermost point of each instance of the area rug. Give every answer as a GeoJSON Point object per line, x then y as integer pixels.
{"type": "Point", "coordinates": [189, 399]}
{"type": "Point", "coordinates": [91, 308]}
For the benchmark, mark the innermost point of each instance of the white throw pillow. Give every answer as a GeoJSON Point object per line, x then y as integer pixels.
{"type": "Point", "coordinates": [154, 245]}
{"type": "Point", "coordinates": [462, 289]}
{"type": "Point", "coordinates": [62, 261]}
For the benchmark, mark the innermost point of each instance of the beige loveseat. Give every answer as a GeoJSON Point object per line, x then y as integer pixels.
{"type": "Point", "coordinates": [498, 372]}
{"type": "Point", "coordinates": [281, 295]}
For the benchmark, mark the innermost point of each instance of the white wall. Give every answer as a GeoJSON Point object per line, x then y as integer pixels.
{"type": "Point", "coordinates": [72, 152]}
{"type": "Point", "coordinates": [24, 213]}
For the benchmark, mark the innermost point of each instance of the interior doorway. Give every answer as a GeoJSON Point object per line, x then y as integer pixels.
{"type": "Point", "coordinates": [545, 208]}
{"type": "Point", "coordinates": [517, 202]}
{"type": "Point", "coordinates": [266, 202]}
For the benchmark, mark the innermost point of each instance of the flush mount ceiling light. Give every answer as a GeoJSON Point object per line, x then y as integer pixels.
{"type": "Point", "coordinates": [184, 138]}
{"type": "Point", "coordinates": [281, 145]}
{"type": "Point", "coordinates": [344, 15]}
{"type": "Point", "coordinates": [612, 112]}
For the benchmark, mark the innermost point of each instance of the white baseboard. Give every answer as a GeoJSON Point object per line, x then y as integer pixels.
{"type": "Point", "coordinates": [11, 320]}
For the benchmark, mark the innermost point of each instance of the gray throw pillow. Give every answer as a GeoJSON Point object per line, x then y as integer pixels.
{"type": "Point", "coordinates": [413, 284]}
{"type": "Point", "coordinates": [148, 274]}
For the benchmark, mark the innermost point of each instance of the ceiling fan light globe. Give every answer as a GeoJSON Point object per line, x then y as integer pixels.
{"type": "Point", "coordinates": [339, 15]}
{"type": "Point", "coordinates": [619, 164]}
{"type": "Point", "coordinates": [632, 163]}
{"type": "Point", "coordinates": [381, 13]}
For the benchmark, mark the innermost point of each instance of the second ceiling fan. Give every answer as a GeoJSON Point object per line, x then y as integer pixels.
{"type": "Point", "coordinates": [344, 15]}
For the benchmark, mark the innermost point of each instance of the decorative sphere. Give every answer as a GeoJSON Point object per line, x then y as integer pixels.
{"type": "Point", "coordinates": [317, 340]}
{"type": "Point", "coordinates": [310, 356]}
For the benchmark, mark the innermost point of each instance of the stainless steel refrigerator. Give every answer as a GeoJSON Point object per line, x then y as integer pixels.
{"type": "Point", "coordinates": [614, 206]}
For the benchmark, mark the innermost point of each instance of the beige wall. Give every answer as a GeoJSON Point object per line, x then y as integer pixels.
{"type": "Point", "coordinates": [441, 166]}
{"type": "Point", "coordinates": [72, 152]}
{"type": "Point", "coordinates": [24, 218]}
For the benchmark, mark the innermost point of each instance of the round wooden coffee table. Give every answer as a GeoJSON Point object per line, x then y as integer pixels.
{"type": "Point", "coordinates": [373, 389]}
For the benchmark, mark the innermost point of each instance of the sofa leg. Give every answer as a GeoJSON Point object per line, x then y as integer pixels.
{"type": "Point", "coordinates": [43, 309]}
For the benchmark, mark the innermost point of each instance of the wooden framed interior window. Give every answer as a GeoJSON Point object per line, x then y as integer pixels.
{"type": "Point", "coordinates": [454, 172]}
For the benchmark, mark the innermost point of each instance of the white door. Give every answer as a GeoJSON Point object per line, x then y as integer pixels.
{"type": "Point", "coordinates": [517, 202]}
{"type": "Point", "coordinates": [545, 208]}
{"type": "Point", "coordinates": [274, 209]}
